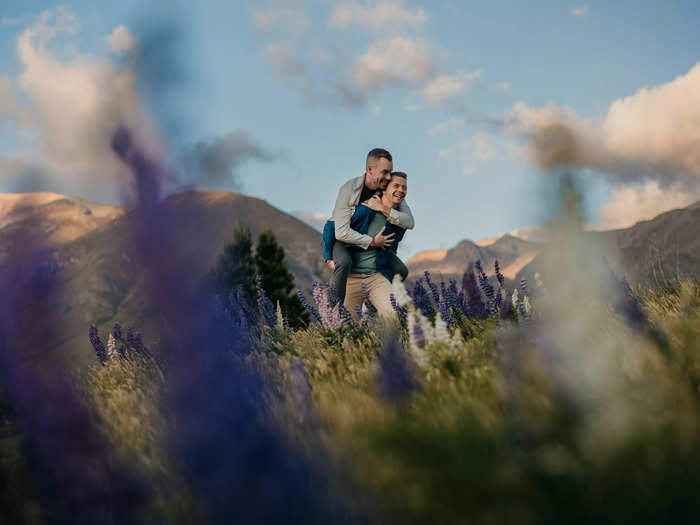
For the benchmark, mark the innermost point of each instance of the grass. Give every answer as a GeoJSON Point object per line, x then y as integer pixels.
{"type": "Point", "coordinates": [508, 425]}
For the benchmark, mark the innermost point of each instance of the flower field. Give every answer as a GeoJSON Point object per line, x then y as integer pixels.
{"type": "Point", "coordinates": [475, 404]}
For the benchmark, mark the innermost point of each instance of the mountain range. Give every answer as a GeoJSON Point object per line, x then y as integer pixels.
{"type": "Point", "coordinates": [94, 257]}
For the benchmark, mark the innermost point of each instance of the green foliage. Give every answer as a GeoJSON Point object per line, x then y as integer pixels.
{"type": "Point", "coordinates": [277, 280]}
{"type": "Point", "coordinates": [235, 266]}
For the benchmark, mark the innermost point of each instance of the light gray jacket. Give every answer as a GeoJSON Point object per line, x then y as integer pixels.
{"type": "Point", "coordinates": [348, 199]}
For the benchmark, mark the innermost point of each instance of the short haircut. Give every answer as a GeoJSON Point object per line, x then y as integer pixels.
{"type": "Point", "coordinates": [379, 153]}
{"type": "Point", "coordinates": [399, 174]}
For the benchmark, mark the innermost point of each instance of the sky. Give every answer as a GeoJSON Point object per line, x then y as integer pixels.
{"type": "Point", "coordinates": [482, 104]}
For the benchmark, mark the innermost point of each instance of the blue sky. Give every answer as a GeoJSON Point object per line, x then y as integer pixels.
{"type": "Point", "coordinates": [270, 70]}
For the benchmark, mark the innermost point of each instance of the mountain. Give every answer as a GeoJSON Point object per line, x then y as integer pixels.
{"type": "Point", "coordinates": [511, 253]}
{"type": "Point", "coordinates": [98, 275]}
{"type": "Point", "coordinates": [650, 253]}
{"type": "Point", "coordinates": [47, 219]}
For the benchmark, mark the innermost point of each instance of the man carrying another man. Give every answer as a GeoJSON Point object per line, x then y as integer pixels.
{"type": "Point", "coordinates": [368, 227]}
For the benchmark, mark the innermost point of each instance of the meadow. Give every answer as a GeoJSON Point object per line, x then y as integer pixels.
{"type": "Point", "coordinates": [478, 403]}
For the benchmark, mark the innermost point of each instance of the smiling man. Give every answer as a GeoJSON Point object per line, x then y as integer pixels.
{"type": "Point", "coordinates": [362, 190]}
{"type": "Point", "coordinates": [371, 270]}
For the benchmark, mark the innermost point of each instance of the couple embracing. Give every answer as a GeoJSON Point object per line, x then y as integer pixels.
{"type": "Point", "coordinates": [361, 238]}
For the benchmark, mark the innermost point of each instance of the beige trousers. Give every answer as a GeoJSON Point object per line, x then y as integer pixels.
{"type": "Point", "coordinates": [378, 289]}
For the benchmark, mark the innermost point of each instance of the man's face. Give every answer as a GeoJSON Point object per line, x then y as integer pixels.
{"type": "Point", "coordinates": [378, 173]}
{"type": "Point", "coordinates": [395, 192]}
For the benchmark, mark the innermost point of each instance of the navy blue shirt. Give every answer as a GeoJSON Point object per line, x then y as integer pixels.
{"type": "Point", "coordinates": [360, 222]}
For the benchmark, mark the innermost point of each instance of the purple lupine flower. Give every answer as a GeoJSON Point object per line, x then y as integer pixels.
{"type": "Point", "coordinates": [265, 306]}
{"type": "Point", "coordinates": [472, 296]}
{"type": "Point", "coordinates": [493, 311]}
{"type": "Point", "coordinates": [521, 309]}
{"type": "Point", "coordinates": [433, 288]}
{"type": "Point", "coordinates": [400, 312]}
{"type": "Point", "coordinates": [446, 316]}
{"type": "Point", "coordinates": [97, 344]}
{"type": "Point", "coordinates": [396, 378]}
{"type": "Point", "coordinates": [452, 294]}
{"type": "Point", "coordinates": [484, 282]}
{"type": "Point", "coordinates": [421, 299]}
{"type": "Point", "coordinates": [345, 315]}
{"type": "Point", "coordinates": [523, 287]}
{"type": "Point", "coordinates": [130, 337]}
{"type": "Point", "coordinates": [250, 313]}
{"type": "Point", "coordinates": [418, 333]}
{"type": "Point", "coordinates": [117, 331]}
{"type": "Point", "coordinates": [498, 299]}
{"type": "Point", "coordinates": [308, 307]}
{"type": "Point", "coordinates": [499, 275]}
{"type": "Point", "coordinates": [358, 312]}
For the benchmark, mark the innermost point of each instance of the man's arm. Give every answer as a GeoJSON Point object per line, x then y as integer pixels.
{"type": "Point", "coordinates": [401, 217]}
{"type": "Point", "coordinates": [342, 213]}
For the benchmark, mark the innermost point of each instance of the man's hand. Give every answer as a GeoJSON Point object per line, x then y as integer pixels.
{"type": "Point", "coordinates": [375, 203]}
{"type": "Point", "coordinates": [331, 264]}
{"type": "Point", "coordinates": [382, 241]}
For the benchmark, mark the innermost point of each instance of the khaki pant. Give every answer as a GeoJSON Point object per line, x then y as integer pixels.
{"type": "Point", "coordinates": [378, 289]}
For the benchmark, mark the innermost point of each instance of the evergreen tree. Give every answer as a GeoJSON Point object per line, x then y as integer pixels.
{"type": "Point", "coordinates": [277, 281]}
{"type": "Point", "coordinates": [235, 266]}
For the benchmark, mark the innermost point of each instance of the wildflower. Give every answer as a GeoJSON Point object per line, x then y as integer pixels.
{"type": "Point", "coordinates": [97, 344]}
{"type": "Point", "coordinates": [433, 288]}
{"type": "Point", "coordinates": [499, 275]}
{"type": "Point", "coordinates": [308, 307]}
{"type": "Point", "coordinates": [396, 378]}
{"type": "Point", "coordinates": [472, 303]}
{"type": "Point", "coordinates": [265, 307]}
{"type": "Point", "coordinates": [523, 286]}
{"type": "Point", "coordinates": [445, 315]}
{"type": "Point", "coordinates": [279, 318]}
{"type": "Point", "coordinates": [400, 312]}
{"type": "Point", "coordinates": [117, 331]}
{"type": "Point", "coordinates": [112, 348]}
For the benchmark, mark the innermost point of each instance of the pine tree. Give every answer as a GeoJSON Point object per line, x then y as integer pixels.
{"type": "Point", "coordinates": [235, 266]}
{"type": "Point", "coordinates": [276, 278]}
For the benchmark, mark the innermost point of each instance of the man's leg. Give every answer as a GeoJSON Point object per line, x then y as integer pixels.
{"type": "Point", "coordinates": [379, 289]}
{"type": "Point", "coordinates": [355, 295]}
{"type": "Point", "coordinates": [396, 265]}
{"type": "Point", "coordinates": [343, 261]}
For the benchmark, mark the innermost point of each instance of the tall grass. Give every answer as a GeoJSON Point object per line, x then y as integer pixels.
{"type": "Point", "coordinates": [481, 419]}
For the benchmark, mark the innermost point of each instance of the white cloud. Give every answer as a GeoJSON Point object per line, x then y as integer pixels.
{"type": "Point", "coordinates": [376, 109]}
{"type": "Point", "coordinates": [382, 18]}
{"type": "Point", "coordinates": [654, 132]}
{"type": "Point", "coordinates": [580, 11]}
{"type": "Point", "coordinates": [121, 40]}
{"type": "Point", "coordinates": [468, 170]}
{"type": "Point", "coordinates": [631, 204]}
{"type": "Point", "coordinates": [393, 60]}
{"type": "Point", "coordinates": [504, 86]}
{"type": "Point", "coordinates": [450, 125]}
{"type": "Point", "coordinates": [270, 19]}
{"type": "Point", "coordinates": [281, 58]}
{"type": "Point", "coordinates": [446, 87]}
{"type": "Point", "coordinates": [483, 150]}
{"type": "Point", "coordinates": [73, 105]}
